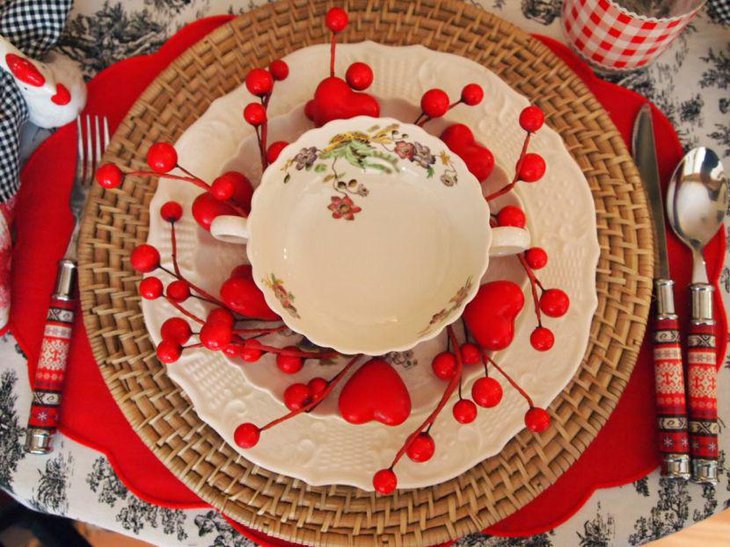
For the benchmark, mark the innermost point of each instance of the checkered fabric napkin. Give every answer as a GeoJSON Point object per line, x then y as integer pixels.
{"type": "Point", "coordinates": [33, 26]}
{"type": "Point", "coordinates": [719, 11]}
{"type": "Point", "coordinates": [613, 38]}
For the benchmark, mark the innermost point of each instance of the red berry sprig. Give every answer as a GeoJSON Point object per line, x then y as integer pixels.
{"type": "Point", "coordinates": [260, 82]}
{"type": "Point", "coordinates": [435, 103]}
{"type": "Point", "coordinates": [232, 190]}
{"type": "Point", "coordinates": [247, 434]}
{"type": "Point", "coordinates": [336, 20]}
{"type": "Point", "coordinates": [536, 419]}
{"type": "Point", "coordinates": [530, 167]}
{"type": "Point", "coordinates": [552, 302]}
{"type": "Point", "coordinates": [240, 301]}
{"type": "Point", "coordinates": [385, 481]}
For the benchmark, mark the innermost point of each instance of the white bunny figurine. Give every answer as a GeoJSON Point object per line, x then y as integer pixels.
{"type": "Point", "coordinates": [54, 91]}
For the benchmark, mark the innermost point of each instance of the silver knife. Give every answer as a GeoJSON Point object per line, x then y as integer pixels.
{"type": "Point", "coordinates": [668, 368]}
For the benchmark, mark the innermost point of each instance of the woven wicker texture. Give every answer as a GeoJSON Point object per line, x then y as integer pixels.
{"type": "Point", "coordinates": [117, 220]}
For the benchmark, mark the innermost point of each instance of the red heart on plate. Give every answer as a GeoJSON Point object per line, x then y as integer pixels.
{"type": "Point", "coordinates": [491, 316]}
{"type": "Point", "coordinates": [334, 100]}
{"type": "Point", "coordinates": [478, 158]}
{"type": "Point", "coordinates": [206, 208]}
{"type": "Point", "coordinates": [375, 392]}
{"type": "Point", "coordinates": [243, 296]}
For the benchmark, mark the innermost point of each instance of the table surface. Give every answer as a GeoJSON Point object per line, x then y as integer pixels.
{"type": "Point", "coordinates": [689, 84]}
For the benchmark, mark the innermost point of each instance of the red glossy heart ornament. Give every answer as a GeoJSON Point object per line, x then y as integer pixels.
{"type": "Point", "coordinates": [478, 158]}
{"type": "Point", "coordinates": [335, 100]}
{"type": "Point", "coordinates": [491, 316]}
{"type": "Point", "coordinates": [375, 392]}
{"type": "Point", "coordinates": [206, 208]}
{"type": "Point", "coordinates": [243, 296]}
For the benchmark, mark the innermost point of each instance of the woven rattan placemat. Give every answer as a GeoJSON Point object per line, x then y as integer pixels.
{"type": "Point", "coordinates": [117, 220]}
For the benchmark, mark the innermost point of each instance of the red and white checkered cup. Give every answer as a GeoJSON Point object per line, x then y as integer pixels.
{"type": "Point", "coordinates": [613, 39]}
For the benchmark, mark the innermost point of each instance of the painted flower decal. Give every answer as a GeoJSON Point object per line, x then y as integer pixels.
{"type": "Point", "coordinates": [376, 149]}
{"type": "Point", "coordinates": [423, 156]}
{"type": "Point", "coordinates": [454, 303]}
{"type": "Point", "coordinates": [285, 298]}
{"type": "Point", "coordinates": [405, 150]}
{"type": "Point", "coordinates": [448, 178]}
{"type": "Point", "coordinates": [306, 157]}
{"type": "Point", "coordinates": [343, 207]}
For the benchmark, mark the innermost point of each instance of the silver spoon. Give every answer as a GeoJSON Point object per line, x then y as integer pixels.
{"type": "Point", "coordinates": [697, 201]}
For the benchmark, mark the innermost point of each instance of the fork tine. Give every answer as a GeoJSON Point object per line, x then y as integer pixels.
{"type": "Point", "coordinates": [106, 132]}
{"type": "Point", "coordinates": [98, 151]}
{"type": "Point", "coordinates": [89, 169]}
{"type": "Point", "coordinates": [81, 167]}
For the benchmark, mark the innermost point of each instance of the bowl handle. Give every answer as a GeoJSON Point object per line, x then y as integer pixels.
{"type": "Point", "coordinates": [509, 240]}
{"type": "Point", "coordinates": [230, 228]}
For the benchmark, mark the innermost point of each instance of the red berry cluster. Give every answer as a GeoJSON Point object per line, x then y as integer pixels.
{"type": "Point", "coordinates": [228, 194]}
{"type": "Point", "coordinates": [486, 392]}
{"type": "Point", "coordinates": [530, 167]}
{"type": "Point", "coordinates": [260, 82]}
{"type": "Point", "coordinates": [224, 328]}
{"type": "Point", "coordinates": [334, 97]}
{"type": "Point", "coordinates": [298, 398]}
{"type": "Point", "coordinates": [551, 302]}
{"type": "Point", "coordinates": [435, 103]}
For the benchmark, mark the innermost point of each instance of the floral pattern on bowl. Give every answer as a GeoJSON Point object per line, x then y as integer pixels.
{"type": "Point", "coordinates": [378, 148]}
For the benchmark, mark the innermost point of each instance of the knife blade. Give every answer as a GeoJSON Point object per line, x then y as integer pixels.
{"type": "Point", "coordinates": [644, 151]}
{"type": "Point", "coordinates": [668, 368]}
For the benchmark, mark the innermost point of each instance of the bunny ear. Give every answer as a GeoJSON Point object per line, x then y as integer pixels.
{"type": "Point", "coordinates": [24, 70]}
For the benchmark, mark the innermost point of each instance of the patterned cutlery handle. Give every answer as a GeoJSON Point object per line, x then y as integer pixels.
{"type": "Point", "coordinates": [669, 385]}
{"type": "Point", "coordinates": [702, 388]}
{"type": "Point", "coordinates": [50, 372]}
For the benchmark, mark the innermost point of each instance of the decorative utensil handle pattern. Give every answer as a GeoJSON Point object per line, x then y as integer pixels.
{"type": "Point", "coordinates": [671, 402]}
{"type": "Point", "coordinates": [51, 369]}
{"type": "Point", "coordinates": [702, 389]}
{"type": "Point", "coordinates": [50, 372]}
{"type": "Point", "coordinates": [670, 398]}
{"type": "Point", "coordinates": [702, 385]}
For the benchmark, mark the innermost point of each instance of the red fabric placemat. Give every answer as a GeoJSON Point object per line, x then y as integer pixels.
{"type": "Point", "coordinates": [91, 416]}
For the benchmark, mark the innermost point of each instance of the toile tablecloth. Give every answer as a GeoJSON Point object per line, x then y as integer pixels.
{"type": "Point", "coordinates": [689, 84]}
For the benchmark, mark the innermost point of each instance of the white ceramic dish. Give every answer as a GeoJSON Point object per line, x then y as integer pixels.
{"type": "Point", "coordinates": [320, 448]}
{"type": "Point", "coordinates": [368, 235]}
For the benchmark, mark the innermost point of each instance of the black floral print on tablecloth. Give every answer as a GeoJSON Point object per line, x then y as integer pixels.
{"type": "Point", "coordinates": [481, 540]}
{"type": "Point", "coordinates": [542, 11]}
{"type": "Point", "coordinates": [110, 35]}
{"type": "Point", "coordinates": [51, 491]}
{"type": "Point", "coordinates": [642, 487]}
{"type": "Point", "coordinates": [104, 481]}
{"type": "Point", "coordinates": [11, 448]}
{"type": "Point", "coordinates": [136, 514]}
{"type": "Point", "coordinates": [168, 6]}
{"type": "Point", "coordinates": [600, 531]}
{"type": "Point", "coordinates": [213, 522]}
{"type": "Point", "coordinates": [670, 513]}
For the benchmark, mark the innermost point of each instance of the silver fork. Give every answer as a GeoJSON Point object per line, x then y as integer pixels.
{"type": "Point", "coordinates": [93, 138]}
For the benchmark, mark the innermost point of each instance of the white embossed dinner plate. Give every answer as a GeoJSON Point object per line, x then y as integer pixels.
{"type": "Point", "coordinates": [321, 448]}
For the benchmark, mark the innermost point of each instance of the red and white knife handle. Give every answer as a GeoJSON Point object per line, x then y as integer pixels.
{"type": "Point", "coordinates": [50, 372]}
{"type": "Point", "coordinates": [669, 385]}
{"type": "Point", "coordinates": [702, 385]}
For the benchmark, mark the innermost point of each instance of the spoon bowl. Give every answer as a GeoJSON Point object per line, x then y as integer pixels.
{"type": "Point", "coordinates": [697, 201]}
